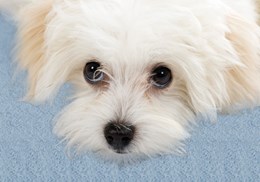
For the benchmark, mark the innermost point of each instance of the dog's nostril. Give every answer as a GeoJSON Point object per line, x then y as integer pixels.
{"type": "Point", "coordinates": [109, 139]}
{"type": "Point", "coordinates": [118, 136]}
{"type": "Point", "coordinates": [126, 140]}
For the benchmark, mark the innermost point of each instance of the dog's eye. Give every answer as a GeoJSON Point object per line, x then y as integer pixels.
{"type": "Point", "coordinates": [161, 77]}
{"type": "Point", "coordinates": [92, 74]}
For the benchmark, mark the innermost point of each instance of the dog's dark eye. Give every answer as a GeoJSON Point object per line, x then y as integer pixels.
{"type": "Point", "coordinates": [92, 74]}
{"type": "Point", "coordinates": [161, 77]}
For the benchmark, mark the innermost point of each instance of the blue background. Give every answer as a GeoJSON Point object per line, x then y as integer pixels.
{"type": "Point", "coordinates": [228, 150]}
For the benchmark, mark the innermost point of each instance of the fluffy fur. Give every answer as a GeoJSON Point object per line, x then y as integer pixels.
{"type": "Point", "coordinates": [211, 46]}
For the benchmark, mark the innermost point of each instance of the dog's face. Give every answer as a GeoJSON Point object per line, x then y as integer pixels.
{"type": "Point", "coordinates": [129, 73]}
{"type": "Point", "coordinates": [142, 71]}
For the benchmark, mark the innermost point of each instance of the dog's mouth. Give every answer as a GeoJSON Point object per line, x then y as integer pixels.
{"type": "Point", "coordinates": [120, 151]}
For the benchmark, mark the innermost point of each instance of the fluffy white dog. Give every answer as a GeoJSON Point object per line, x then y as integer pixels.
{"type": "Point", "coordinates": [142, 70]}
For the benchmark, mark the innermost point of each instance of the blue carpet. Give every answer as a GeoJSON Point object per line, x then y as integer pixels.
{"type": "Point", "coordinates": [226, 151]}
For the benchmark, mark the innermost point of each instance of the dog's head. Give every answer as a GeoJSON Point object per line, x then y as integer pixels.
{"type": "Point", "coordinates": [141, 70]}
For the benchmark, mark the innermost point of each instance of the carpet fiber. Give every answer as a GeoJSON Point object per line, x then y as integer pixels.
{"type": "Point", "coordinates": [228, 150]}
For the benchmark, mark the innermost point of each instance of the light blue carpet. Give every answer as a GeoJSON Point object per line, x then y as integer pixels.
{"type": "Point", "coordinates": [226, 151]}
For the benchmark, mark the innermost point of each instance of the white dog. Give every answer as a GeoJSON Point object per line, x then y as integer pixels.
{"type": "Point", "coordinates": [142, 70]}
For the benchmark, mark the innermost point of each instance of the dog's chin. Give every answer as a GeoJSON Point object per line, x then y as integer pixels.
{"type": "Point", "coordinates": [130, 157]}
{"type": "Point", "coordinates": [119, 151]}
{"type": "Point", "coordinates": [120, 157]}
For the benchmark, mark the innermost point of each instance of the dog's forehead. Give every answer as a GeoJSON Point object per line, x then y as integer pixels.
{"type": "Point", "coordinates": [136, 23]}
{"type": "Point", "coordinates": [126, 26]}
{"type": "Point", "coordinates": [124, 35]}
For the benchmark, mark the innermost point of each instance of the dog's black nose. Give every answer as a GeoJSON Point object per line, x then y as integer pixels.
{"type": "Point", "coordinates": [118, 135]}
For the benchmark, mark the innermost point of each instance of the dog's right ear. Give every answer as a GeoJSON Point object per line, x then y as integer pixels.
{"type": "Point", "coordinates": [31, 56]}
{"type": "Point", "coordinates": [44, 78]}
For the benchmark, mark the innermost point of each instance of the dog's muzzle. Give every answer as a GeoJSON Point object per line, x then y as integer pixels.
{"type": "Point", "coordinates": [119, 135]}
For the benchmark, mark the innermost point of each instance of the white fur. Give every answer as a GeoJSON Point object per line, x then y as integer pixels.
{"type": "Point", "coordinates": [200, 41]}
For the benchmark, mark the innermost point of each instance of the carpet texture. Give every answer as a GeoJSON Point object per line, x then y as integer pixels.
{"type": "Point", "coordinates": [228, 150]}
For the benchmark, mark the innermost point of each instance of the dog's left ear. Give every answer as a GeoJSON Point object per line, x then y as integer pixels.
{"type": "Point", "coordinates": [234, 82]}
{"type": "Point", "coordinates": [243, 79]}
{"type": "Point", "coordinates": [44, 77]}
